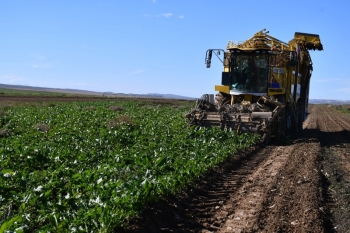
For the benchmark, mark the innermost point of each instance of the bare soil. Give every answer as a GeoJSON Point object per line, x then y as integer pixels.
{"type": "Point", "coordinates": [299, 185]}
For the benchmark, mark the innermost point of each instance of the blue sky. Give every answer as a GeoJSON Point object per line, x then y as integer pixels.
{"type": "Point", "coordinates": [158, 46]}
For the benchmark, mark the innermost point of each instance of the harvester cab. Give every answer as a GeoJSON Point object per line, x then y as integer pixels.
{"type": "Point", "coordinates": [264, 86]}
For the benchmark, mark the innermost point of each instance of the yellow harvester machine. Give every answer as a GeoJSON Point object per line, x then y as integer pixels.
{"type": "Point", "coordinates": [264, 87]}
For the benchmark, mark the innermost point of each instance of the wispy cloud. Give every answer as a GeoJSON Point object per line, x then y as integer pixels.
{"type": "Point", "coordinates": [40, 61]}
{"type": "Point", "coordinates": [166, 15]}
{"type": "Point", "coordinates": [343, 90]}
{"type": "Point", "coordinates": [327, 80]}
{"type": "Point", "coordinates": [36, 56]}
{"type": "Point", "coordinates": [154, 0]}
{"type": "Point", "coordinates": [39, 65]}
{"type": "Point", "coordinates": [136, 72]}
{"type": "Point", "coordinates": [11, 79]}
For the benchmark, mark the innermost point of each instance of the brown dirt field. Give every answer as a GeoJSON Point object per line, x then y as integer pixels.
{"type": "Point", "coordinates": [85, 98]}
{"type": "Point", "coordinates": [300, 185]}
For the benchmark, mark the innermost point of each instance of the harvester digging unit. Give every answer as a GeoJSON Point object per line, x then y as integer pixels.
{"type": "Point", "coordinates": [264, 88]}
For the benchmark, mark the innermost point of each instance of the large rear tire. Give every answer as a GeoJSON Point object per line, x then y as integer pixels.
{"type": "Point", "coordinates": [281, 128]}
{"type": "Point", "coordinates": [300, 114]}
{"type": "Point", "coordinates": [291, 120]}
{"type": "Point", "coordinates": [266, 138]}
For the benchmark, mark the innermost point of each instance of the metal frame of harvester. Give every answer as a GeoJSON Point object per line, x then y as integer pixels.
{"type": "Point", "coordinates": [264, 87]}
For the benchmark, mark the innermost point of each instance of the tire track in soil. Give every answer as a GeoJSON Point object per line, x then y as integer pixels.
{"type": "Point", "coordinates": [277, 188]}
{"type": "Point", "coordinates": [331, 121]}
{"type": "Point", "coordinates": [194, 210]}
{"type": "Point", "coordinates": [335, 127]}
{"type": "Point", "coordinates": [228, 201]}
{"type": "Point", "coordinates": [305, 204]}
{"type": "Point", "coordinates": [246, 204]}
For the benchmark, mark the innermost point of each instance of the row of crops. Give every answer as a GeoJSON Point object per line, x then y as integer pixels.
{"type": "Point", "coordinates": [26, 93]}
{"type": "Point", "coordinates": [91, 166]}
{"type": "Point", "coordinates": [343, 108]}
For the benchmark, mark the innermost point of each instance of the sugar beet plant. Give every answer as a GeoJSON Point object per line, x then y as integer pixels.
{"type": "Point", "coordinates": [91, 166]}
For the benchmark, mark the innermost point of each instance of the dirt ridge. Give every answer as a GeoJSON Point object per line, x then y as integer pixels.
{"type": "Point", "coordinates": [277, 188]}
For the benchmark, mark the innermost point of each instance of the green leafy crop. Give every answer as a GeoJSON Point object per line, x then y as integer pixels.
{"type": "Point", "coordinates": [89, 167]}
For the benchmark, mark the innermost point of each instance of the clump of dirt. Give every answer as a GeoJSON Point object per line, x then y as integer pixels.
{"type": "Point", "coordinates": [42, 127]}
{"type": "Point", "coordinates": [123, 119]}
{"type": "Point", "coordinates": [90, 108]}
{"type": "Point", "coordinates": [116, 108]}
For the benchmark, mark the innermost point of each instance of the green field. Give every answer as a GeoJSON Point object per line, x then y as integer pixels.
{"type": "Point", "coordinates": [45, 93]}
{"type": "Point", "coordinates": [12, 92]}
{"type": "Point", "coordinates": [91, 166]}
{"type": "Point", "coordinates": [343, 108]}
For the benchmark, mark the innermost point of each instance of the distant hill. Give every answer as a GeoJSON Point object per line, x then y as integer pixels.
{"type": "Point", "coordinates": [94, 93]}
{"type": "Point", "coordinates": [150, 95]}
{"type": "Point", "coordinates": [46, 89]}
{"type": "Point", "coordinates": [172, 96]}
{"type": "Point", "coordinates": [325, 101]}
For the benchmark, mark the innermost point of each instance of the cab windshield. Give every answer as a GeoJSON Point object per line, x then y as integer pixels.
{"type": "Point", "coordinates": [249, 72]}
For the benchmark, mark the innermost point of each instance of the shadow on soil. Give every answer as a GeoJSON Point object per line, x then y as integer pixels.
{"type": "Point", "coordinates": [335, 180]}
{"type": "Point", "coordinates": [183, 212]}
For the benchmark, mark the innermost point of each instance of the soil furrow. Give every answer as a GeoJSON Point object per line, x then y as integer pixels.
{"type": "Point", "coordinates": [207, 213]}
{"type": "Point", "coordinates": [247, 202]}
{"type": "Point", "coordinates": [278, 188]}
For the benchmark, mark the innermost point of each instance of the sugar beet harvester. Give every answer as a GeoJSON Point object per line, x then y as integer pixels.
{"type": "Point", "coordinates": [264, 87]}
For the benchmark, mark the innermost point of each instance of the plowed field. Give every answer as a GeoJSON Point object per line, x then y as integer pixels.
{"type": "Point", "coordinates": [300, 185]}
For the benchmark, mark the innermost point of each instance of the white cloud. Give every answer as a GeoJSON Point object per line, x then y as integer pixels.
{"type": "Point", "coordinates": [39, 57]}
{"type": "Point", "coordinates": [136, 72]}
{"type": "Point", "coordinates": [166, 15]}
{"type": "Point", "coordinates": [40, 61]}
{"type": "Point", "coordinates": [328, 80]}
{"type": "Point", "coordinates": [10, 79]}
{"type": "Point", "coordinates": [343, 90]}
{"type": "Point", "coordinates": [41, 65]}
